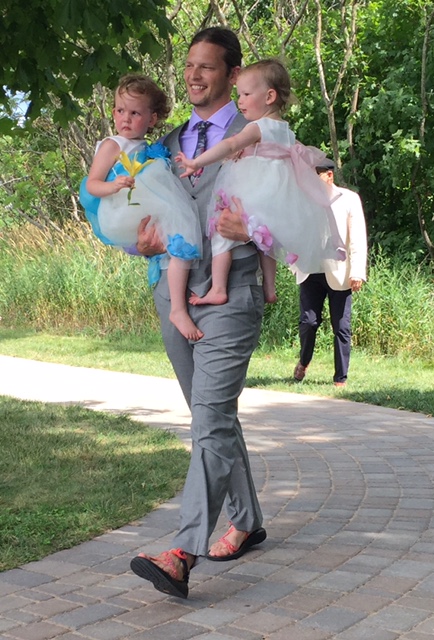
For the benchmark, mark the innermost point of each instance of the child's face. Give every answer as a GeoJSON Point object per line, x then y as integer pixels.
{"type": "Point", "coordinates": [132, 115]}
{"type": "Point", "coordinates": [254, 96]}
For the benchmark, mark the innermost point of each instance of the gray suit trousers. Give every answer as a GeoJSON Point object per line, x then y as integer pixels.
{"type": "Point", "coordinates": [212, 374]}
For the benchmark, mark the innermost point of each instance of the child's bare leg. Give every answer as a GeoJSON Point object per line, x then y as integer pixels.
{"type": "Point", "coordinates": [177, 276]}
{"type": "Point", "coordinates": [268, 266]}
{"type": "Point", "coordinates": [218, 294]}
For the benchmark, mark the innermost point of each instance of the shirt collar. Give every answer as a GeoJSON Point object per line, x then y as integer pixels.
{"type": "Point", "coordinates": [220, 118]}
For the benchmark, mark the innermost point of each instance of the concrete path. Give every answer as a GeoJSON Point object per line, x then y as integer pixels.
{"type": "Point", "coordinates": [348, 497]}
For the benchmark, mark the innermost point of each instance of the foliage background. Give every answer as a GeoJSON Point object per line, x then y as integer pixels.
{"type": "Point", "coordinates": [362, 74]}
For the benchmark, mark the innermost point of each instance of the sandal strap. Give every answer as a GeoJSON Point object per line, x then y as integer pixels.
{"type": "Point", "coordinates": [166, 557]}
{"type": "Point", "coordinates": [230, 547]}
{"type": "Point", "coordinates": [179, 553]}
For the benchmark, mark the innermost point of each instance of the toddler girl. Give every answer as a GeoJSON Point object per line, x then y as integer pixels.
{"type": "Point", "coordinates": [286, 205]}
{"type": "Point", "coordinates": [126, 161]}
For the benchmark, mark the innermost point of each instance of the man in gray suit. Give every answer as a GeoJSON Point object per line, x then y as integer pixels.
{"type": "Point", "coordinates": [212, 370]}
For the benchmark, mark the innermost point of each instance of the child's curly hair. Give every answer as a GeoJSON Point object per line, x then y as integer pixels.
{"type": "Point", "coordinates": [140, 85]}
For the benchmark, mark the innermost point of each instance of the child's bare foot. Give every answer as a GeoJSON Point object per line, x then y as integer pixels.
{"type": "Point", "coordinates": [185, 325]}
{"type": "Point", "coordinates": [212, 297]}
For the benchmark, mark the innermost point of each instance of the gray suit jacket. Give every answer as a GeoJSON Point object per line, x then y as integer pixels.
{"type": "Point", "coordinates": [245, 267]}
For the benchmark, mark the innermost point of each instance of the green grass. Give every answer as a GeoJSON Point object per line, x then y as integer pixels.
{"type": "Point", "coordinates": [400, 382]}
{"type": "Point", "coordinates": [68, 474]}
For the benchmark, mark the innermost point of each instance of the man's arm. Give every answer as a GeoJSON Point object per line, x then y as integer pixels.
{"type": "Point", "coordinates": [357, 242]}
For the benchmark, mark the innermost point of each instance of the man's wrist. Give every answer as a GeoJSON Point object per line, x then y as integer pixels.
{"type": "Point", "coordinates": [140, 251]}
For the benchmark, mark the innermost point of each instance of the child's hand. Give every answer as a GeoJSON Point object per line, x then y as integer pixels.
{"type": "Point", "coordinates": [185, 162]}
{"type": "Point", "coordinates": [122, 182]}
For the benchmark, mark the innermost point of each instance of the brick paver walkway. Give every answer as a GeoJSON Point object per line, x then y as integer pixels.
{"type": "Point", "coordinates": [347, 494]}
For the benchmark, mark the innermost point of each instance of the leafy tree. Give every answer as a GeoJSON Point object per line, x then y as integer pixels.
{"type": "Point", "coordinates": [362, 72]}
{"type": "Point", "coordinates": [59, 49]}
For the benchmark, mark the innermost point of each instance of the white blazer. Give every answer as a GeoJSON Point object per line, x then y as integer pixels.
{"type": "Point", "coordinates": [348, 211]}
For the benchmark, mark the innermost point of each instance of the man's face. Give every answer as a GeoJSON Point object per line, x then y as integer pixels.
{"type": "Point", "coordinates": [209, 86]}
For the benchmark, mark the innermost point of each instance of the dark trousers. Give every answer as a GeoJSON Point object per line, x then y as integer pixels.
{"type": "Point", "coordinates": [313, 293]}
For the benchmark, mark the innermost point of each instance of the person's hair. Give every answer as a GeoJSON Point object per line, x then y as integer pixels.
{"type": "Point", "coordinates": [224, 38]}
{"type": "Point", "coordinates": [276, 77]}
{"type": "Point", "coordinates": [321, 169]}
{"type": "Point", "coordinates": [139, 85]}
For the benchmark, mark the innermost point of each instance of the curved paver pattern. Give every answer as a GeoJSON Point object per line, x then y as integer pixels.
{"type": "Point", "coordinates": [347, 494]}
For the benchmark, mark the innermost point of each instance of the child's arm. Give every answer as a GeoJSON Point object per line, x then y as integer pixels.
{"type": "Point", "coordinates": [103, 161]}
{"type": "Point", "coordinates": [251, 134]}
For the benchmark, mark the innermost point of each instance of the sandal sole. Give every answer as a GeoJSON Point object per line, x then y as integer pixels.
{"type": "Point", "coordinates": [161, 580]}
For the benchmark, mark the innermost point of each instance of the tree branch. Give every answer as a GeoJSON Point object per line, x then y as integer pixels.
{"type": "Point", "coordinates": [244, 29]}
{"type": "Point", "coordinates": [424, 107]}
{"type": "Point", "coordinates": [294, 24]}
{"type": "Point", "coordinates": [350, 39]}
{"type": "Point", "coordinates": [219, 13]}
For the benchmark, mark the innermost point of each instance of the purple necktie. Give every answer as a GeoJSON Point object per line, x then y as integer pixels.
{"type": "Point", "coordinates": [200, 147]}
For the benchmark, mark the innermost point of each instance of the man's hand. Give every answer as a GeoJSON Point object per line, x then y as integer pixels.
{"type": "Point", "coordinates": [148, 241]}
{"type": "Point", "coordinates": [356, 284]}
{"type": "Point", "coordinates": [231, 224]}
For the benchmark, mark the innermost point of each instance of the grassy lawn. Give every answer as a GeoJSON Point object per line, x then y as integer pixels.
{"type": "Point", "coordinates": [401, 383]}
{"type": "Point", "coordinates": [68, 474]}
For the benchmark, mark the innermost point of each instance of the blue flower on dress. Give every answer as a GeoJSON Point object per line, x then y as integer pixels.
{"type": "Point", "coordinates": [154, 269]}
{"type": "Point", "coordinates": [179, 248]}
{"type": "Point", "coordinates": [157, 150]}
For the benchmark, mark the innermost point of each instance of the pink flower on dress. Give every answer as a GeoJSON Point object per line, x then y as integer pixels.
{"type": "Point", "coordinates": [212, 224]}
{"type": "Point", "coordinates": [290, 258]}
{"type": "Point", "coordinates": [222, 201]}
{"type": "Point", "coordinates": [262, 237]}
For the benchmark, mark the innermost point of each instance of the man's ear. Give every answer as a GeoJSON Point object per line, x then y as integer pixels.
{"type": "Point", "coordinates": [233, 76]}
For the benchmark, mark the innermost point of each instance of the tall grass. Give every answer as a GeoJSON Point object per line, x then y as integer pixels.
{"type": "Point", "coordinates": [75, 284]}
{"type": "Point", "coordinates": [393, 314]}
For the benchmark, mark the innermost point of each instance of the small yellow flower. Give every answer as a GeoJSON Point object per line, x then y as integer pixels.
{"type": "Point", "coordinates": [132, 167]}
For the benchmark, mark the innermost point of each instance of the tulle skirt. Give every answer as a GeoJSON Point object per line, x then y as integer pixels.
{"type": "Point", "coordinates": [158, 193]}
{"type": "Point", "coordinates": [286, 206]}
